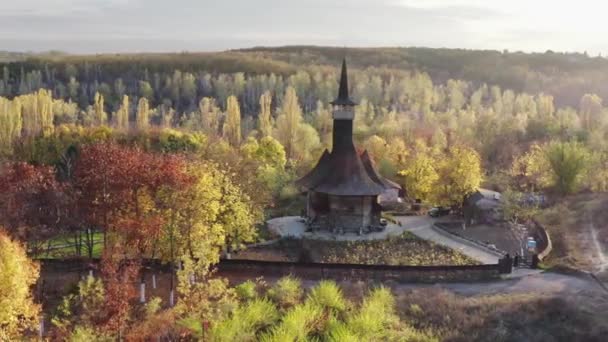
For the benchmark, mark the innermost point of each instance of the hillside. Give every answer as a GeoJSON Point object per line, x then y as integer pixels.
{"type": "Point", "coordinates": [566, 76]}
{"type": "Point", "coordinates": [578, 227]}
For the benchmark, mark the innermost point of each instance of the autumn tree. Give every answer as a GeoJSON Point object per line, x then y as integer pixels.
{"type": "Point", "coordinates": [590, 111]}
{"type": "Point", "coordinates": [37, 113]}
{"type": "Point", "coordinates": [288, 121]}
{"type": "Point", "coordinates": [142, 116]}
{"type": "Point", "coordinates": [121, 120]}
{"type": "Point", "coordinates": [18, 311]}
{"type": "Point", "coordinates": [101, 117]}
{"type": "Point", "coordinates": [265, 116]}
{"type": "Point", "coordinates": [209, 115]}
{"type": "Point", "coordinates": [420, 177]}
{"type": "Point", "coordinates": [10, 124]}
{"type": "Point", "coordinates": [460, 174]}
{"type": "Point", "coordinates": [232, 124]}
{"type": "Point", "coordinates": [31, 203]}
{"type": "Point", "coordinates": [568, 162]}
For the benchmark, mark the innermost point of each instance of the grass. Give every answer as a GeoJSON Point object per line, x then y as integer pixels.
{"type": "Point", "coordinates": [63, 247]}
{"type": "Point", "coordinates": [533, 317]}
{"type": "Point", "coordinates": [568, 224]}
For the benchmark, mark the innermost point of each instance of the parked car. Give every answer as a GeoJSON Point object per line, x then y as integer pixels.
{"type": "Point", "coordinates": [439, 211]}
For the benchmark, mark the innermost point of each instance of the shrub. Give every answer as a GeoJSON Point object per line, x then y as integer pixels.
{"type": "Point", "coordinates": [328, 295]}
{"type": "Point", "coordinates": [246, 291]}
{"type": "Point", "coordinates": [287, 292]}
{"type": "Point", "coordinates": [246, 321]}
{"type": "Point", "coordinates": [296, 325]}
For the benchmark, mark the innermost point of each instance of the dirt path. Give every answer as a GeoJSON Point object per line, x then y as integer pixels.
{"type": "Point", "coordinates": [601, 256]}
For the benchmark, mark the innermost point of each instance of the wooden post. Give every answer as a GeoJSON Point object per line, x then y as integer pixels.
{"type": "Point", "coordinates": [154, 281]}
{"type": "Point", "coordinates": [142, 292]}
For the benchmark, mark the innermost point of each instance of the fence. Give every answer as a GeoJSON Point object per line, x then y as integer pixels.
{"type": "Point", "coordinates": [543, 241]}
{"type": "Point", "coordinates": [341, 272]}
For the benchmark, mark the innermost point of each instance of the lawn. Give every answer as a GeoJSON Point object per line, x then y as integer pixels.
{"type": "Point", "coordinates": [63, 246]}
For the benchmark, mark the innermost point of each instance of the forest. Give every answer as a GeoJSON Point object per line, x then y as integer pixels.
{"type": "Point", "coordinates": [180, 157]}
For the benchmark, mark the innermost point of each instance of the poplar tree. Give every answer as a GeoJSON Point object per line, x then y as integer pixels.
{"type": "Point", "coordinates": [38, 113]}
{"type": "Point", "coordinates": [101, 117]}
{"type": "Point", "coordinates": [10, 124]}
{"type": "Point", "coordinates": [143, 114]}
{"type": "Point", "coordinates": [209, 115]}
{"type": "Point", "coordinates": [122, 115]}
{"type": "Point", "coordinates": [232, 125]}
{"type": "Point", "coordinates": [289, 121]}
{"type": "Point", "coordinates": [265, 117]}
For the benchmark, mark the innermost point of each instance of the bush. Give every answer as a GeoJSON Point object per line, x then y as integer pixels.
{"type": "Point", "coordinates": [296, 325]}
{"type": "Point", "coordinates": [287, 292]}
{"type": "Point", "coordinates": [328, 295]}
{"type": "Point", "coordinates": [246, 321]}
{"type": "Point", "coordinates": [246, 291]}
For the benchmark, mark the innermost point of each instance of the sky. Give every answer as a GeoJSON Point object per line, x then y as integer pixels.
{"type": "Point", "coordinates": [96, 26]}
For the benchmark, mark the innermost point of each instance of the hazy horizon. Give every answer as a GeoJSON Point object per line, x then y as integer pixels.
{"type": "Point", "coordinates": [119, 26]}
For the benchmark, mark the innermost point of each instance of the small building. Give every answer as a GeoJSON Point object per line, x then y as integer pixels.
{"type": "Point", "coordinates": [482, 206]}
{"type": "Point", "coordinates": [342, 189]}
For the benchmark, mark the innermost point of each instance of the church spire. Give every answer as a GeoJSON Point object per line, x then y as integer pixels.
{"type": "Point", "coordinates": [343, 98]}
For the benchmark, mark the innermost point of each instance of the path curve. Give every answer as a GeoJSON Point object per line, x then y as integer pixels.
{"type": "Point", "coordinates": [423, 229]}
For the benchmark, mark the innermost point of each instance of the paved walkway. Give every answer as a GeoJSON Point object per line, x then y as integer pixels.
{"type": "Point", "coordinates": [424, 231]}
{"type": "Point", "coordinates": [294, 226]}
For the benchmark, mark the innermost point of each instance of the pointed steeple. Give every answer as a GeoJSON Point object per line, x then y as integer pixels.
{"type": "Point", "coordinates": [343, 99]}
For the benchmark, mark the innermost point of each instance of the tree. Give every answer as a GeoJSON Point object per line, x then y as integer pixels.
{"type": "Point", "coordinates": [590, 110]}
{"type": "Point", "coordinates": [37, 111]}
{"type": "Point", "coordinates": [568, 162]}
{"type": "Point", "coordinates": [10, 124]}
{"type": "Point", "coordinates": [531, 171]}
{"type": "Point", "coordinates": [18, 311]}
{"type": "Point", "coordinates": [31, 203]}
{"type": "Point", "coordinates": [122, 114]}
{"type": "Point", "coordinates": [146, 91]}
{"type": "Point", "coordinates": [265, 116]}
{"type": "Point", "coordinates": [210, 116]}
{"type": "Point", "coordinates": [84, 308]}
{"type": "Point", "coordinates": [142, 116]}
{"type": "Point", "coordinates": [232, 125]}
{"type": "Point", "coordinates": [420, 177]}
{"type": "Point", "coordinates": [101, 117]}
{"type": "Point", "coordinates": [514, 207]}
{"type": "Point", "coordinates": [289, 121]}
{"type": "Point", "coordinates": [460, 174]}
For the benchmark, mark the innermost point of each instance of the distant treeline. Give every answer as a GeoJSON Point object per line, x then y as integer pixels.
{"type": "Point", "coordinates": [567, 77]}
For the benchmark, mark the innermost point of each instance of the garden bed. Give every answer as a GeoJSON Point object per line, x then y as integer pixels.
{"type": "Point", "coordinates": [405, 249]}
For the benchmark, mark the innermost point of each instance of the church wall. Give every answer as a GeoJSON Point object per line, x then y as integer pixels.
{"type": "Point", "coordinates": [352, 212]}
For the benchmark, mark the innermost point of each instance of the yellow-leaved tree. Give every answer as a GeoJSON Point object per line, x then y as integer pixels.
{"type": "Point", "coordinates": [265, 116]}
{"type": "Point", "coordinates": [420, 177]}
{"type": "Point", "coordinates": [232, 125]}
{"type": "Point", "coordinates": [460, 174]}
{"type": "Point", "coordinates": [18, 312]}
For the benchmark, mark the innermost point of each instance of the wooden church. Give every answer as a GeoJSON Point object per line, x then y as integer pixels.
{"type": "Point", "coordinates": [343, 188]}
